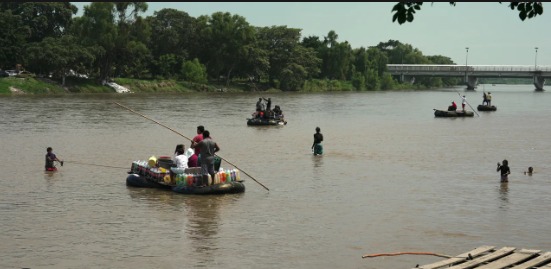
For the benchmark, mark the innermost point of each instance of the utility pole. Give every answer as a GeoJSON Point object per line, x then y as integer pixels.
{"type": "Point", "coordinates": [466, 64]}
{"type": "Point", "coordinates": [536, 60]}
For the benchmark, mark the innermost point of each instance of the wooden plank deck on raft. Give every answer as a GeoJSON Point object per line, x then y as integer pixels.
{"type": "Point", "coordinates": [488, 257]}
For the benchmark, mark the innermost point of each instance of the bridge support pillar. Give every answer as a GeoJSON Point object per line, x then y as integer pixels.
{"type": "Point", "coordinates": [406, 78]}
{"type": "Point", "coordinates": [539, 81]}
{"type": "Point", "coordinates": [471, 82]}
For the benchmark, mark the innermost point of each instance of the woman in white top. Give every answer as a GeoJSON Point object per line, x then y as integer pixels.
{"type": "Point", "coordinates": [180, 158]}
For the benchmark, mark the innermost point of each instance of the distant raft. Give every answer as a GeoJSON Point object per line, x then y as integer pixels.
{"type": "Point", "coordinates": [449, 114]}
{"type": "Point", "coordinates": [264, 121]}
{"type": "Point", "coordinates": [486, 108]}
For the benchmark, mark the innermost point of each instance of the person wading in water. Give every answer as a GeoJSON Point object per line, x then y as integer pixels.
{"type": "Point", "coordinates": [317, 148]}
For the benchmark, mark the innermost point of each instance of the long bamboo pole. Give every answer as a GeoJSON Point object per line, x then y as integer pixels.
{"type": "Point", "coordinates": [468, 104]}
{"type": "Point", "coordinates": [144, 116]}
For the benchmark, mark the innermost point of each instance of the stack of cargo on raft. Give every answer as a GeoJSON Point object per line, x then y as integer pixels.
{"type": "Point", "coordinates": [162, 175]}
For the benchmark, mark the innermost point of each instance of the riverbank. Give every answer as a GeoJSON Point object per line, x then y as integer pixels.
{"type": "Point", "coordinates": [22, 85]}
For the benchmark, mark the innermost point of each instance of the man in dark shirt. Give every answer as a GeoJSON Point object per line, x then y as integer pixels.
{"type": "Point", "coordinates": [505, 170]}
{"type": "Point", "coordinates": [208, 149]}
{"type": "Point", "coordinates": [317, 148]}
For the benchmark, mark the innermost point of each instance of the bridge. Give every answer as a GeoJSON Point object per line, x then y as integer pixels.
{"type": "Point", "coordinates": [471, 73]}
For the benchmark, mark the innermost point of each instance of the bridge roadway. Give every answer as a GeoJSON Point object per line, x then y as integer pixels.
{"type": "Point", "coordinates": [471, 73]}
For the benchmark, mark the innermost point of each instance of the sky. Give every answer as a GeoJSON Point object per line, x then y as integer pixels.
{"type": "Point", "coordinates": [493, 32]}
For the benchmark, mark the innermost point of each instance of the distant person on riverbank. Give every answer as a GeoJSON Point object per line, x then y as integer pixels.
{"type": "Point", "coordinates": [317, 148]}
{"type": "Point", "coordinates": [530, 171]}
{"type": "Point", "coordinates": [50, 159]}
{"type": "Point", "coordinates": [504, 169]}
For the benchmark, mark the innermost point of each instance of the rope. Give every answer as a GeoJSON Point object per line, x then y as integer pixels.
{"type": "Point", "coordinates": [97, 165]}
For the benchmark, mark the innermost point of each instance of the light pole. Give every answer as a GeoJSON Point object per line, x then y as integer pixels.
{"type": "Point", "coordinates": [466, 62]}
{"type": "Point", "coordinates": [536, 60]}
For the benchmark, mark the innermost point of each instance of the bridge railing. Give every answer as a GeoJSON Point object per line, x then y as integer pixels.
{"type": "Point", "coordinates": [463, 68]}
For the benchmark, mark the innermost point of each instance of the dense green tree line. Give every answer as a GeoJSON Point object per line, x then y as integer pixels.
{"type": "Point", "coordinates": [113, 39]}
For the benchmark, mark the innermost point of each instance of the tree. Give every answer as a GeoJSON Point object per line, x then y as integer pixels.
{"type": "Point", "coordinates": [96, 30]}
{"type": "Point", "coordinates": [227, 39]}
{"type": "Point", "coordinates": [12, 37]}
{"type": "Point", "coordinates": [194, 71]}
{"type": "Point", "coordinates": [44, 19]}
{"type": "Point", "coordinates": [279, 42]}
{"type": "Point", "coordinates": [403, 11]}
{"type": "Point", "coordinates": [172, 32]}
{"type": "Point", "coordinates": [57, 56]}
{"type": "Point", "coordinates": [107, 30]}
{"type": "Point", "coordinates": [303, 64]}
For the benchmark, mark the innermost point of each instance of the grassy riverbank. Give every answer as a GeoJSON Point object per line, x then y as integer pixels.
{"type": "Point", "coordinates": [31, 85]}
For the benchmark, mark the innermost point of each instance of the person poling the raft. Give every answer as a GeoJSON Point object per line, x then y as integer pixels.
{"type": "Point", "coordinates": [50, 159]}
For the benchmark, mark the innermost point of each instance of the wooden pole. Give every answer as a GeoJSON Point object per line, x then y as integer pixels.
{"type": "Point", "coordinates": [468, 104]}
{"type": "Point", "coordinates": [129, 109]}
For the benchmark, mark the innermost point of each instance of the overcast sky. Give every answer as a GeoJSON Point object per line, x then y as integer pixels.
{"type": "Point", "coordinates": [493, 32]}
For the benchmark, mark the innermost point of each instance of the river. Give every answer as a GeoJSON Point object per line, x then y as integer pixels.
{"type": "Point", "coordinates": [392, 178]}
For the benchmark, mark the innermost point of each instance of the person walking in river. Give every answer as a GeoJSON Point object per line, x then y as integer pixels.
{"type": "Point", "coordinates": [50, 159]}
{"type": "Point", "coordinates": [504, 169]}
{"type": "Point", "coordinates": [317, 148]}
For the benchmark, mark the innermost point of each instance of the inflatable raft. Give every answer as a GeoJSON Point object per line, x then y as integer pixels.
{"type": "Point", "coordinates": [457, 113]}
{"type": "Point", "coordinates": [486, 108]}
{"type": "Point", "coordinates": [185, 181]}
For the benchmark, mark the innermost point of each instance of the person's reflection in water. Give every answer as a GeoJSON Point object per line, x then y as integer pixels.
{"type": "Point", "coordinates": [203, 224]}
{"type": "Point", "coordinates": [504, 193]}
{"type": "Point", "coordinates": [317, 161]}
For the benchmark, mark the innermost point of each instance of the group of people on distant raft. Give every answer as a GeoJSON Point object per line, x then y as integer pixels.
{"type": "Point", "coordinates": [264, 109]}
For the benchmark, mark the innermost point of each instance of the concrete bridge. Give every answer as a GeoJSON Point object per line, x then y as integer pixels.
{"type": "Point", "coordinates": [471, 73]}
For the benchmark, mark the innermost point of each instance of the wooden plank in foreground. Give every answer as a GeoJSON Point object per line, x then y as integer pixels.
{"type": "Point", "coordinates": [484, 259]}
{"type": "Point", "coordinates": [507, 261]}
{"type": "Point", "coordinates": [545, 257]}
{"type": "Point", "coordinates": [459, 258]}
